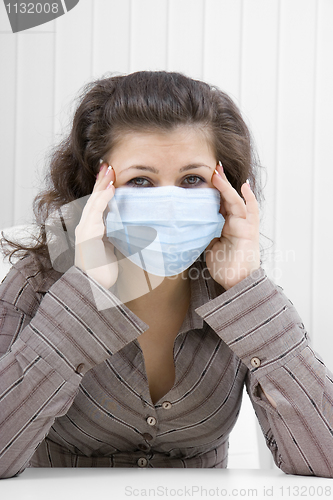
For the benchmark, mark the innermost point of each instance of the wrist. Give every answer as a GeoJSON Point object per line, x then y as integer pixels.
{"type": "Point", "coordinates": [231, 276]}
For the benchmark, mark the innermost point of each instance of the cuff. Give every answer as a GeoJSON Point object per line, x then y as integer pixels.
{"type": "Point", "coordinates": [79, 324]}
{"type": "Point", "coordinates": [257, 321]}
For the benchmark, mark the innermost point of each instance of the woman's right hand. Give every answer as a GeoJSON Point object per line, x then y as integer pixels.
{"type": "Point", "coordinates": [94, 253]}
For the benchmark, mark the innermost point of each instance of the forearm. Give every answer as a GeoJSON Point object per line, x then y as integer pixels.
{"type": "Point", "coordinates": [33, 394]}
{"type": "Point", "coordinates": [289, 384]}
{"type": "Point", "coordinates": [41, 373]}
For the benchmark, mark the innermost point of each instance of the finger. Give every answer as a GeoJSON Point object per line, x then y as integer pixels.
{"type": "Point", "coordinates": [232, 202]}
{"type": "Point", "coordinates": [105, 176]}
{"type": "Point", "coordinates": [102, 193]}
{"type": "Point", "coordinates": [102, 169]}
{"type": "Point", "coordinates": [252, 207]}
{"type": "Point", "coordinates": [222, 208]}
{"type": "Point", "coordinates": [249, 197]}
{"type": "Point", "coordinates": [220, 171]}
{"type": "Point", "coordinates": [99, 200]}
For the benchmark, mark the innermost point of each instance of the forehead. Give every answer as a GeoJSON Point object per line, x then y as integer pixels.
{"type": "Point", "coordinates": [180, 141]}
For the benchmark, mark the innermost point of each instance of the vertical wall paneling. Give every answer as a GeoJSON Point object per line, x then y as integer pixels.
{"type": "Point", "coordinates": [259, 70]}
{"type": "Point", "coordinates": [73, 58]}
{"type": "Point", "coordinates": [148, 35]}
{"type": "Point", "coordinates": [34, 113]}
{"type": "Point", "coordinates": [258, 101]}
{"type": "Point", "coordinates": [111, 44]}
{"type": "Point", "coordinates": [243, 449]}
{"type": "Point", "coordinates": [5, 28]}
{"type": "Point", "coordinates": [295, 150]}
{"type": "Point", "coordinates": [8, 59]}
{"type": "Point", "coordinates": [185, 37]}
{"type": "Point", "coordinates": [221, 65]}
{"type": "Point", "coordinates": [322, 237]}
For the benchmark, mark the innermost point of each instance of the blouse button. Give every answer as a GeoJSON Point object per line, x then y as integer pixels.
{"type": "Point", "coordinates": [142, 462]}
{"type": "Point", "coordinates": [80, 368]}
{"type": "Point", "coordinates": [166, 405]}
{"type": "Point", "coordinates": [255, 362]}
{"type": "Point", "coordinates": [147, 437]}
{"type": "Point", "coordinates": [143, 447]}
{"type": "Point", "coordinates": [151, 420]}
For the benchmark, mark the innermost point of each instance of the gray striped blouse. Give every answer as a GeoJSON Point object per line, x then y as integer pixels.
{"type": "Point", "coordinates": [74, 391]}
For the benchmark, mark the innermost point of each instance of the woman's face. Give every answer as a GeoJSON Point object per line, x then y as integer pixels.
{"type": "Point", "coordinates": [182, 157]}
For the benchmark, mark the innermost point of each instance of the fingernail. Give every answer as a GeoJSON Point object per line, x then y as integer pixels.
{"type": "Point", "coordinates": [101, 167]}
{"type": "Point", "coordinates": [109, 185]}
{"type": "Point", "coordinates": [108, 170]}
{"type": "Point", "coordinates": [247, 181]}
{"type": "Point", "coordinates": [217, 172]}
{"type": "Point", "coordinates": [220, 164]}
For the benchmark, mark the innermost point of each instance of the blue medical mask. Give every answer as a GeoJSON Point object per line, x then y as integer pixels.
{"type": "Point", "coordinates": [163, 230]}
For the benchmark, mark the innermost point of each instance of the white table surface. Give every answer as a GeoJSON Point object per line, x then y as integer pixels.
{"type": "Point", "coordinates": [118, 484]}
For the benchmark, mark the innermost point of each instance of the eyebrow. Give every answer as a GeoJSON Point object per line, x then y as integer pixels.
{"type": "Point", "coordinates": [155, 171]}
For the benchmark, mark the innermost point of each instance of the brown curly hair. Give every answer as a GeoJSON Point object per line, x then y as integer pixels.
{"type": "Point", "coordinates": [145, 101]}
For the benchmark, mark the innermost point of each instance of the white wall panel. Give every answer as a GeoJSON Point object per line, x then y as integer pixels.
{"type": "Point", "coordinates": [112, 36]}
{"type": "Point", "coordinates": [322, 236]}
{"type": "Point", "coordinates": [8, 59]}
{"type": "Point", "coordinates": [222, 45]}
{"type": "Point", "coordinates": [186, 37]}
{"type": "Point", "coordinates": [34, 117]}
{"type": "Point", "coordinates": [73, 58]}
{"type": "Point", "coordinates": [258, 101]}
{"type": "Point", "coordinates": [148, 35]}
{"type": "Point", "coordinates": [4, 24]}
{"type": "Point", "coordinates": [294, 205]}
{"type": "Point", "coordinates": [243, 442]}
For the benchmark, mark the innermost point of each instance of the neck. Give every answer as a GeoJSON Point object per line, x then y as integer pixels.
{"type": "Point", "coordinates": [142, 291]}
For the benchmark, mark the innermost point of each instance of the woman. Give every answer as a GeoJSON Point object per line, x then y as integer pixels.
{"type": "Point", "coordinates": [124, 344]}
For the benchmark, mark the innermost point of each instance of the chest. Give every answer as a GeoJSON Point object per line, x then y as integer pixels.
{"type": "Point", "coordinates": [157, 345]}
{"type": "Point", "coordinates": [110, 411]}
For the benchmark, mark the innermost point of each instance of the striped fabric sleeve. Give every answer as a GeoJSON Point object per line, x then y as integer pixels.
{"type": "Point", "coordinates": [262, 327]}
{"type": "Point", "coordinates": [77, 325]}
{"type": "Point", "coordinates": [82, 323]}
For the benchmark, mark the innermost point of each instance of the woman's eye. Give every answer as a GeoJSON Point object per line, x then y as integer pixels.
{"type": "Point", "coordinates": [189, 181]}
{"type": "Point", "coordinates": [193, 180]}
{"type": "Point", "coordinates": [139, 182]}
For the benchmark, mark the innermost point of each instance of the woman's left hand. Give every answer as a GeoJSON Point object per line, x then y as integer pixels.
{"type": "Point", "coordinates": [234, 255]}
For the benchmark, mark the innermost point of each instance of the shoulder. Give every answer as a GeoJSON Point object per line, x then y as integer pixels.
{"type": "Point", "coordinates": [27, 282]}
